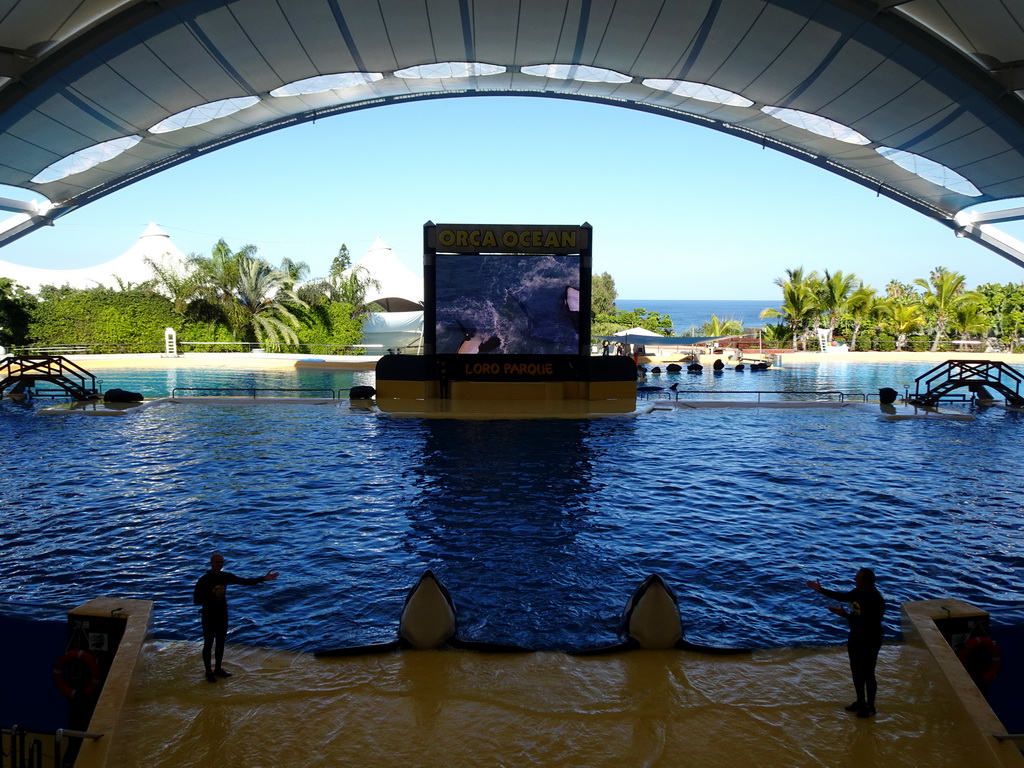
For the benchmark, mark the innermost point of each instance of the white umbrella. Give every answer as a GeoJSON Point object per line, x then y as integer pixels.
{"type": "Point", "coordinates": [637, 332]}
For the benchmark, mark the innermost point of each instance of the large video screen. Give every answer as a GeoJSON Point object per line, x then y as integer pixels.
{"type": "Point", "coordinates": [507, 304]}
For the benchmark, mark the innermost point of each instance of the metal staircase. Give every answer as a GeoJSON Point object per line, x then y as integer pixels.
{"type": "Point", "coordinates": [24, 374]}
{"type": "Point", "coordinates": [976, 375]}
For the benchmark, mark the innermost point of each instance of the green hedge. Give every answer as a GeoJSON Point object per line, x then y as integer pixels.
{"type": "Point", "coordinates": [105, 320]}
{"type": "Point", "coordinates": [328, 325]}
{"type": "Point", "coordinates": [125, 319]}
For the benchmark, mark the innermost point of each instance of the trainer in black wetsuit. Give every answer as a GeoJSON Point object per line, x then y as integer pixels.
{"type": "Point", "coordinates": [865, 617]}
{"type": "Point", "coordinates": [211, 594]}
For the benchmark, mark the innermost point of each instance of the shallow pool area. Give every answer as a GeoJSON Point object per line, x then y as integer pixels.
{"type": "Point", "coordinates": [540, 528]}
{"type": "Point", "coordinates": [778, 709]}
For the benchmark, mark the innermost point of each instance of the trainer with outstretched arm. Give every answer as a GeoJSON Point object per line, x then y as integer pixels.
{"type": "Point", "coordinates": [864, 614]}
{"type": "Point", "coordinates": [211, 595]}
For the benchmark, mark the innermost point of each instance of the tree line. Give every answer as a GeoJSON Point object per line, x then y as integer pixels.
{"type": "Point", "coordinates": [938, 309]}
{"type": "Point", "coordinates": [234, 296]}
{"type": "Point", "coordinates": [230, 296]}
{"type": "Point", "coordinates": [932, 312]}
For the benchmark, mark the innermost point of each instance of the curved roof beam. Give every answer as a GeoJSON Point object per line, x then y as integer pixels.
{"type": "Point", "coordinates": [919, 100]}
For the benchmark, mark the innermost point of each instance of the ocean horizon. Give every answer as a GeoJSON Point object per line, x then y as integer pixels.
{"type": "Point", "coordinates": [692, 313]}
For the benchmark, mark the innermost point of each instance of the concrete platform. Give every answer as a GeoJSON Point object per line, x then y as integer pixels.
{"type": "Point", "coordinates": [653, 708]}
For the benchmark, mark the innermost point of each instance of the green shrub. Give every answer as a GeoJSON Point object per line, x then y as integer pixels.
{"type": "Point", "coordinates": [329, 325]}
{"type": "Point", "coordinates": [114, 320]}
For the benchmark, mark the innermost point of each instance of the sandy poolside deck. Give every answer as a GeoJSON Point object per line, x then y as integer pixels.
{"type": "Point", "coordinates": [237, 360]}
{"type": "Point", "coordinates": [925, 358]}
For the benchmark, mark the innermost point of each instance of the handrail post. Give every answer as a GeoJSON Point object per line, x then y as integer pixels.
{"type": "Point", "coordinates": [58, 741]}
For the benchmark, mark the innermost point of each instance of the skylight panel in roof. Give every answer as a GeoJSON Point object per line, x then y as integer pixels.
{"type": "Point", "coordinates": [204, 113]}
{"type": "Point", "coordinates": [84, 159]}
{"type": "Point", "coordinates": [699, 91]}
{"type": "Point", "coordinates": [322, 83]}
{"type": "Point", "coordinates": [446, 69]}
{"type": "Point", "coordinates": [931, 171]}
{"type": "Point", "coordinates": [576, 72]}
{"type": "Point", "coordinates": [817, 124]}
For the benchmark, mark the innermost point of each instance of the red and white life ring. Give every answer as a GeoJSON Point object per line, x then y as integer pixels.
{"type": "Point", "coordinates": [986, 648]}
{"type": "Point", "coordinates": [80, 684]}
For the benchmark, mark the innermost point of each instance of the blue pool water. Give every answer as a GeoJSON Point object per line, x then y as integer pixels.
{"type": "Point", "coordinates": [540, 528]}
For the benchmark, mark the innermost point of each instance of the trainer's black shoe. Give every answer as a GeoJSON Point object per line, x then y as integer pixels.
{"type": "Point", "coordinates": [857, 706]}
{"type": "Point", "coordinates": [868, 711]}
{"type": "Point", "coordinates": [210, 678]}
{"type": "Point", "coordinates": [221, 673]}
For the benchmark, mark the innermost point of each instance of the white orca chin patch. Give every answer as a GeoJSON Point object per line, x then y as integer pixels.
{"type": "Point", "coordinates": [428, 618]}
{"type": "Point", "coordinates": [654, 621]}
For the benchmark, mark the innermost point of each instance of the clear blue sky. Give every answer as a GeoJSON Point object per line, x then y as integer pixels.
{"type": "Point", "coordinates": [679, 212]}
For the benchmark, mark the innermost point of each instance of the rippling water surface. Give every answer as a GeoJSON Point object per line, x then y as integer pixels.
{"type": "Point", "coordinates": [540, 528]}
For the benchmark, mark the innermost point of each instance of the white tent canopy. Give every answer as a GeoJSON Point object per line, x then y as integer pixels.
{"type": "Point", "coordinates": [130, 267]}
{"type": "Point", "coordinates": [393, 330]}
{"type": "Point", "coordinates": [400, 290]}
{"type": "Point", "coordinates": [637, 332]}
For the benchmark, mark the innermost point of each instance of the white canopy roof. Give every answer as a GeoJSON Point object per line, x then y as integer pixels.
{"type": "Point", "coordinates": [920, 101]}
{"type": "Point", "coordinates": [393, 330]}
{"type": "Point", "coordinates": [637, 332]}
{"type": "Point", "coordinates": [400, 289]}
{"type": "Point", "coordinates": [129, 267]}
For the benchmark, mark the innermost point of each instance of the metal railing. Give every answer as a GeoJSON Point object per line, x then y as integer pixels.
{"type": "Point", "coordinates": [254, 391]}
{"type": "Point", "coordinates": [68, 376]}
{"type": "Point", "coordinates": [940, 382]}
{"type": "Point", "coordinates": [666, 394]}
{"type": "Point", "coordinates": [135, 348]}
{"type": "Point", "coordinates": [21, 748]}
{"type": "Point", "coordinates": [63, 349]}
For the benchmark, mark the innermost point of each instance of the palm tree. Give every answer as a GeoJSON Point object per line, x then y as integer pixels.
{"type": "Point", "coordinates": [349, 287]}
{"type": "Point", "coordinates": [1004, 304]}
{"type": "Point", "coordinates": [721, 327]}
{"type": "Point", "coordinates": [901, 293]}
{"type": "Point", "coordinates": [261, 303]}
{"type": "Point", "coordinates": [799, 302]}
{"type": "Point", "coordinates": [944, 291]}
{"type": "Point", "coordinates": [180, 285]}
{"type": "Point", "coordinates": [777, 334]}
{"type": "Point", "coordinates": [969, 320]}
{"type": "Point", "coordinates": [834, 292]}
{"type": "Point", "coordinates": [902, 320]}
{"type": "Point", "coordinates": [295, 270]}
{"type": "Point", "coordinates": [863, 308]}
{"type": "Point", "coordinates": [218, 273]}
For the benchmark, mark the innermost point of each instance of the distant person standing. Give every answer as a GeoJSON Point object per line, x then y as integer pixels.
{"type": "Point", "coordinates": [605, 347]}
{"type": "Point", "coordinates": [864, 614]}
{"type": "Point", "coordinates": [211, 595]}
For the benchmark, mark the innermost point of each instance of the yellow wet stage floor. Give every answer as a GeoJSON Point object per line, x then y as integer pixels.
{"type": "Point", "coordinates": [462, 708]}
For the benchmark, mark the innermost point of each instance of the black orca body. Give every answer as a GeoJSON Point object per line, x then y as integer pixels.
{"type": "Point", "coordinates": [429, 621]}
{"type": "Point", "coordinates": [651, 621]}
{"type": "Point", "coordinates": [475, 343]}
